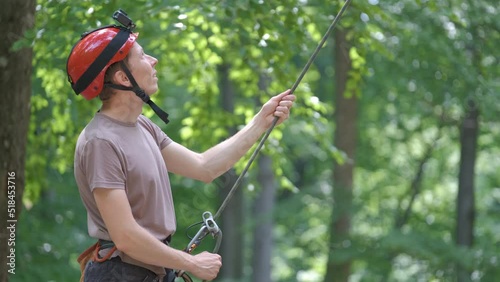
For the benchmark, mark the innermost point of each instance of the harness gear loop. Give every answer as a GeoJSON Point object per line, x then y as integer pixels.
{"type": "Point", "coordinates": [92, 253]}
{"type": "Point", "coordinates": [84, 258]}
{"type": "Point", "coordinates": [104, 258]}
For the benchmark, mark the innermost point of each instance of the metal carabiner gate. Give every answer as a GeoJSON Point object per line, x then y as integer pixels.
{"type": "Point", "coordinates": [209, 226]}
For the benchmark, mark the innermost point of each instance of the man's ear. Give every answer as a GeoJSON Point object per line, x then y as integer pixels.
{"type": "Point", "coordinates": [121, 78]}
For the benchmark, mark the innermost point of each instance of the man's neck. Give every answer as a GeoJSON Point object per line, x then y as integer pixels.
{"type": "Point", "coordinates": [125, 107]}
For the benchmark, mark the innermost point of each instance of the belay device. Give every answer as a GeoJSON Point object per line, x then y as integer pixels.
{"type": "Point", "coordinates": [208, 225]}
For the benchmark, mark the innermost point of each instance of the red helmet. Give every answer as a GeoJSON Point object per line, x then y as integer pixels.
{"type": "Point", "coordinates": [93, 54]}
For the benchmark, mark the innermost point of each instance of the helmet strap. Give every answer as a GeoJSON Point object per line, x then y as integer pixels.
{"type": "Point", "coordinates": [139, 92]}
{"type": "Point", "coordinates": [100, 62]}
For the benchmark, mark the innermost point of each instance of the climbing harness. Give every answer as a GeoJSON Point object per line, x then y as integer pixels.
{"type": "Point", "coordinates": [209, 226]}
{"type": "Point", "coordinates": [93, 254]}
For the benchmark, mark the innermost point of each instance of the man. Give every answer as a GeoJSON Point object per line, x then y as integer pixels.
{"type": "Point", "coordinates": [122, 161]}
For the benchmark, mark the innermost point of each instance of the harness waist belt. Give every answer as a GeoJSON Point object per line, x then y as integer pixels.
{"type": "Point", "coordinates": [106, 244]}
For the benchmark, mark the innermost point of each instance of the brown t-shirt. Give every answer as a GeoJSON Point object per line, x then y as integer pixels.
{"type": "Point", "coordinates": [115, 155]}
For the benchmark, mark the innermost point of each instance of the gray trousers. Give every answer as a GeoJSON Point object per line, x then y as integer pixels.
{"type": "Point", "coordinates": [115, 270]}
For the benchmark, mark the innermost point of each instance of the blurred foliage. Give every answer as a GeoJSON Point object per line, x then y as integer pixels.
{"type": "Point", "coordinates": [52, 234]}
{"type": "Point", "coordinates": [417, 64]}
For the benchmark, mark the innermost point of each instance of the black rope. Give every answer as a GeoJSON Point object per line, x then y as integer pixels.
{"type": "Point", "coordinates": [190, 227]}
{"type": "Point", "coordinates": [268, 132]}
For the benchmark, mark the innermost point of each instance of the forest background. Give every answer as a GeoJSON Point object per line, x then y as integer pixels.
{"type": "Point", "coordinates": [387, 170]}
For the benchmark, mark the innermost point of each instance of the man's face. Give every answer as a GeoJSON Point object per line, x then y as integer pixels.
{"type": "Point", "coordinates": [142, 67]}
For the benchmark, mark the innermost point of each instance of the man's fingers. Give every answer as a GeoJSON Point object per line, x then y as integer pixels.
{"type": "Point", "coordinates": [282, 95]}
{"type": "Point", "coordinates": [282, 109]}
{"type": "Point", "coordinates": [286, 103]}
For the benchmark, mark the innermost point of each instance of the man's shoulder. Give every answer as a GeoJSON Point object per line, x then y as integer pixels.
{"type": "Point", "coordinates": [156, 132]}
{"type": "Point", "coordinates": [145, 122]}
{"type": "Point", "coordinates": [94, 129]}
{"type": "Point", "coordinates": [97, 128]}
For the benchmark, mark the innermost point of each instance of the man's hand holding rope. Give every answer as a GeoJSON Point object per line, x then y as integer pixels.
{"type": "Point", "coordinates": [278, 106]}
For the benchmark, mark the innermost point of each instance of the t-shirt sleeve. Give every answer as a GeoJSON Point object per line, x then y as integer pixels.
{"type": "Point", "coordinates": [102, 165]}
{"type": "Point", "coordinates": [161, 138]}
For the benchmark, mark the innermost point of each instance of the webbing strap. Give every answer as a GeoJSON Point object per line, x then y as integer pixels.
{"type": "Point", "coordinates": [141, 94]}
{"type": "Point", "coordinates": [104, 258]}
{"type": "Point", "coordinates": [159, 112]}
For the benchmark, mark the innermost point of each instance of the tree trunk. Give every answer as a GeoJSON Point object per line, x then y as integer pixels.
{"type": "Point", "coordinates": [465, 199]}
{"type": "Point", "coordinates": [263, 214]}
{"type": "Point", "coordinates": [232, 219]}
{"type": "Point", "coordinates": [16, 16]}
{"type": "Point", "coordinates": [231, 224]}
{"type": "Point", "coordinates": [346, 105]}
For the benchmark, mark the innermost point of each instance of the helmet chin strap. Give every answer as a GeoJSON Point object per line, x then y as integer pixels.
{"type": "Point", "coordinates": [139, 92]}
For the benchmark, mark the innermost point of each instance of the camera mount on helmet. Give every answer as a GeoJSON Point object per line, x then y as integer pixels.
{"type": "Point", "coordinates": [122, 17]}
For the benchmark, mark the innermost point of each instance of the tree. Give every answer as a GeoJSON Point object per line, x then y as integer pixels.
{"type": "Point", "coordinates": [263, 209]}
{"type": "Point", "coordinates": [263, 220]}
{"type": "Point", "coordinates": [465, 198]}
{"type": "Point", "coordinates": [17, 17]}
{"type": "Point", "coordinates": [343, 173]}
{"type": "Point", "coordinates": [194, 38]}
{"type": "Point", "coordinates": [418, 72]}
{"type": "Point", "coordinates": [232, 220]}
{"type": "Point", "coordinates": [424, 83]}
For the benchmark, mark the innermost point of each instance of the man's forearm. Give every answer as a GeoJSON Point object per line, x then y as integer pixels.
{"type": "Point", "coordinates": [224, 155]}
{"type": "Point", "coordinates": [142, 246]}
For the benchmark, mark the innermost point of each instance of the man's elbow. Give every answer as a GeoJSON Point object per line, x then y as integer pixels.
{"type": "Point", "coordinates": [207, 179]}
{"type": "Point", "coordinates": [209, 176]}
{"type": "Point", "coordinates": [122, 242]}
{"type": "Point", "coordinates": [206, 174]}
